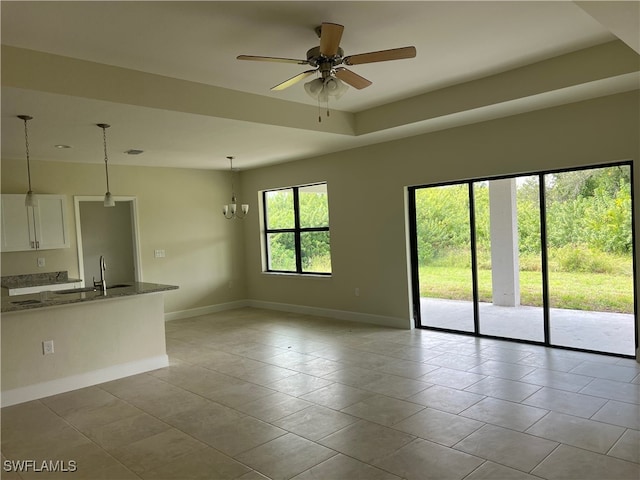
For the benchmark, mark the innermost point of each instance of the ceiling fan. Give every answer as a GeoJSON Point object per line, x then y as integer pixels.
{"type": "Point", "coordinates": [327, 59]}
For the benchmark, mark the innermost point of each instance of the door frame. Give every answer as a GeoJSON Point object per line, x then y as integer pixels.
{"type": "Point", "coordinates": [135, 231]}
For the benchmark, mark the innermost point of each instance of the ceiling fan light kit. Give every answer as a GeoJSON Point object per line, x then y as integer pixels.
{"type": "Point", "coordinates": [327, 58]}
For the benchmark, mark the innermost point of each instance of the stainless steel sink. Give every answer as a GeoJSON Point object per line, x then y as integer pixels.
{"type": "Point", "coordinates": [75, 290]}
{"type": "Point", "coordinates": [26, 302]}
{"type": "Point", "coordinates": [91, 289]}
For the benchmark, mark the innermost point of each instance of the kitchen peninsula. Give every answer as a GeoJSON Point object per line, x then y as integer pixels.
{"type": "Point", "coordinates": [57, 341]}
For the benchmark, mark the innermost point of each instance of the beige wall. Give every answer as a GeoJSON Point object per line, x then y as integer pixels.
{"type": "Point", "coordinates": [179, 208]}
{"type": "Point", "coordinates": [87, 337]}
{"type": "Point", "coordinates": [93, 342]}
{"type": "Point", "coordinates": [107, 232]}
{"type": "Point", "coordinates": [367, 194]}
{"type": "Point", "coordinates": [179, 211]}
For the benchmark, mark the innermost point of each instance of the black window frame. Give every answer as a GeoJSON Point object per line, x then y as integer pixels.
{"type": "Point", "coordinates": [297, 230]}
{"type": "Point", "coordinates": [415, 278]}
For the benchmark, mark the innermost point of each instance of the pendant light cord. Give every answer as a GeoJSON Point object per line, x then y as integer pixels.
{"type": "Point", "coordinates": [233, 190]}
{"type": "Point", "coordinates": [26, 144]}
{"type": "Point", "coordinates": [106, 158]}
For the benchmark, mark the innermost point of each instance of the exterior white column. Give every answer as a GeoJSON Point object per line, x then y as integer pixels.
{"type": "Point", "coordinates": [505, 264]}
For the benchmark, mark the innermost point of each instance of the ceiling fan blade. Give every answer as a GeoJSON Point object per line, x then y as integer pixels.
{"type": "Point", "coordinates": [330, 35]}
{"type": "Point", "coordinates": [353, 79]}
{"type": "Point", "coordinates": [381, 56]}
{"type": "Point", "coordinates": [293, 80]}
{"type": "Point", "coordinates": [272, 59]}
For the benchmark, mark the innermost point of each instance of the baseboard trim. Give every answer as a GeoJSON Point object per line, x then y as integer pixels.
{"type": "Point", "coordinates": [74, 382]}
{"type": "Point", "coordinates": [196, 312]}
{"type": "Point", "coordinates": [395, 322]}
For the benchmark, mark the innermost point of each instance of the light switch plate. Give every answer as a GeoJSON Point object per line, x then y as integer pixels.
{"type": "Point", "coordinates": [41, 261]}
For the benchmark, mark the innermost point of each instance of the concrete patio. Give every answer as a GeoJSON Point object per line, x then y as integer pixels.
{"type": "Point", "coordinates": [598, 331]}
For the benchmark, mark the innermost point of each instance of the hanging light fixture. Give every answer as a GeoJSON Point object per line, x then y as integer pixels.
{"type": "Point", "coordinates": [108, 198]}
{"type": "Point", "coordinates": [322, 88]}
{"type": "Point", "coordinates": [30, 199]}
{"type": "Point", "coordinates": [230, 211]}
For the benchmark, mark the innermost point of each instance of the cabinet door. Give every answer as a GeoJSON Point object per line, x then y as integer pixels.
{"type": "Point", "coordinates": [51, 222]}
{"type": "Point", "coordinates": [27, 228]}
{"type": "Point", "coordinates": [17, 224]}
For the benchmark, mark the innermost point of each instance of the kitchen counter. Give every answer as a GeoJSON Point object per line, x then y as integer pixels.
{"type": "Point", "coordinates": [37, 280]}
{"type": "Point", "coordinates": [47, 299]}
{"type": "Point", "coordinates": [57, 341]}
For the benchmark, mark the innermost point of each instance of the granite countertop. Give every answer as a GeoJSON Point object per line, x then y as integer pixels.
{"type": "Point", "coordinates": [19, 303]}
{"type": "Point", "coordinates": [36, 279]}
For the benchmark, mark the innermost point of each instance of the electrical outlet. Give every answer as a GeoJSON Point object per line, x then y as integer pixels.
{"type": "Point", "coordinates": [47, 347]}
{"type": "Point", "coordinates": [357, 292]}
{"type": "Point", "coordinates": [41, 261]}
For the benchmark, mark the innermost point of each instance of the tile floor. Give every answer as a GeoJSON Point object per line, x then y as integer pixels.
{"type": "Point", "coordinates": [254, 394]}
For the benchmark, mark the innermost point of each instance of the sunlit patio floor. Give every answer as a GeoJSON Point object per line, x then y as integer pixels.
{"type": "Point", "coordinates": [598, 331]}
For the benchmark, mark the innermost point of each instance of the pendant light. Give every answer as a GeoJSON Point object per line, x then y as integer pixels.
{"type": "Point", "coordinates": [108, 198]}
{"type": "Point", "coordinates": [230, 211]}
{"type": "Point", "coordinates": [30, 199]}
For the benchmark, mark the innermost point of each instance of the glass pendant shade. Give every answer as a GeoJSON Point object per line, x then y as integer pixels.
{"type": "Point", "coordinates": [321, 89]}
{"type": "Point", "coordinates": [232, 208]}
{"type": "Point", "coordinates": [30, 199]}
{"type": "Point", "coordinates": [109, 201]}
{"type": "Point", "coordinates": [313, 87]}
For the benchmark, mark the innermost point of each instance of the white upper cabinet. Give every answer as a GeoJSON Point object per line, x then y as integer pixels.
{"type": "Point", "coordinates": [34, 228]}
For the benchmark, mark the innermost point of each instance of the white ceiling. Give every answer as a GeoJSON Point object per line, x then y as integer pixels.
{"type": "Point", "coordinates": [457, 42]}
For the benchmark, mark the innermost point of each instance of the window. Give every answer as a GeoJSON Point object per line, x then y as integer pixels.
{"type": "Point", "coordinates": [296, 226]}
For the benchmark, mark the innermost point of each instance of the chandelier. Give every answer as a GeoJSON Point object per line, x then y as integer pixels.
{"type": "Point", "coordinates": [231, 210]}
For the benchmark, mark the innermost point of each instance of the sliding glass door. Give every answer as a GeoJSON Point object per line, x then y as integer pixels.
{"type": "Point", "coordinates": [444, 251]}
{"type": "Point", "coordinates": [544, 258]}
{"type": "Point", "coordinates": [509, 258]}
{"type": "Point", "coordinates": [590, 259]}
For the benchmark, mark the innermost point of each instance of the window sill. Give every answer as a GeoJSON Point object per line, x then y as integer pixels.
{"type": "Point", "coordinates": [298, 275]}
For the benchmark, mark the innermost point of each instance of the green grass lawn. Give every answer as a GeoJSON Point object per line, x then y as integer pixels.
{"type": "Point", "coordinates": [573, 290]}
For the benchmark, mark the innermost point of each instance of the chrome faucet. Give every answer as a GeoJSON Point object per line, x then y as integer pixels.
{"type": "Point", "coordinates": [102, 284]}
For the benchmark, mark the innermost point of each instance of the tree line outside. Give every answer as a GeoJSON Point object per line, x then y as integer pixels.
{"type": "Point", "coordinates": [589, 240]}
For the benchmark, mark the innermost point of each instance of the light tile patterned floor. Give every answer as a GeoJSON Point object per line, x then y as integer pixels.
{"type": "Point", "coordinates": [254, 394]}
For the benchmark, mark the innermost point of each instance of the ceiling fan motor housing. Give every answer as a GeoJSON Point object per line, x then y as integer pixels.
{"type": "Point", "coordinates": [315, 58]}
